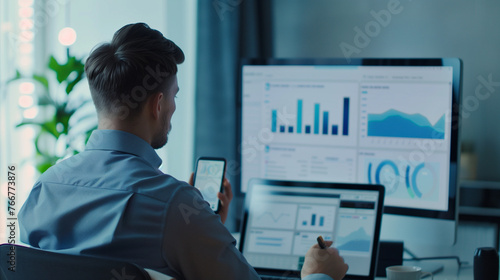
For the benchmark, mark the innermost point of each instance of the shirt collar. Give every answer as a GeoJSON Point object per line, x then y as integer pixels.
{"type": "Point", "coordinates": [117, 140]}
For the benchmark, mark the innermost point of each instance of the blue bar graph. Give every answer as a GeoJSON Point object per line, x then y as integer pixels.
{"type": "Point", "coordinates": [345, 127]}
{"type": "Point", "coordinates": [313, 221]}
{"type": "Point", "coordinates": [325, 122]}
{"type": "Point", "coordinates": [273, 123]}
{"type": "Point", "coordinates": [335, 129]}
{"type": "Point", "coordinates": [314, 128]}
{"type": "Point", "coordinates": [316, 118]}
{"type": "Point", "coordinates": [299, 116]}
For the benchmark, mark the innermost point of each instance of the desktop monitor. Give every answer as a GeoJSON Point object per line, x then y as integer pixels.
{"type": "Point", "coordinates": [382, 121]}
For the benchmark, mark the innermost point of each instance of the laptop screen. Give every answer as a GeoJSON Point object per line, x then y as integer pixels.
{"type": "Point", "coordinates": [283, 219]}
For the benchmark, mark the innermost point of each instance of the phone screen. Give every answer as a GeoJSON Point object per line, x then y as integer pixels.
{"type": "Point", "coordinates": [208, 179]}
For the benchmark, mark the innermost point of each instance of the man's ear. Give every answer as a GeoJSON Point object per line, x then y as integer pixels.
{"type": "Point", "coordinates": [155, 104]}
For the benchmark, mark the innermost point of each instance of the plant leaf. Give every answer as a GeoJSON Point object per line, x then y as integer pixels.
{"type": "Point", "coordinates": [64, 70]}
{"type": "Point", "coordinates": [56, 67]}
{"type": "Point", "coordinates": [45, 164]}
{"type": "Point", "coordinates": [37, 146]}
{"type": "Point", "coordinates": [73, 83]}
{"type": "Point", "coordinates": [71, 72]}
{"type": "Point", "coordinates": [29, 122]}
{"type": "Point", "coordinates": [45, 100]}
{"type": "Point", "coordinates": [49, 127]}
{"type": "Point", "coordinates": [42, 80]}
{"type": "Point", "coordinates": [89, 133]}
{"type": "Point", "coordinates": [17, 77]}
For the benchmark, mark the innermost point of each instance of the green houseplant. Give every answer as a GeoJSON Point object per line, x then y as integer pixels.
{"type": "Point", "coordinates": [59, 132]}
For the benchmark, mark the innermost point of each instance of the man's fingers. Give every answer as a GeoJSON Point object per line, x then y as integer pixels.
{"type": "Point", "coordinates": [228, 191]}
{"type": "Point", "coordinates": [191, 179]}
{"type": "Point", "coordinates": [328, 243]}
{"type": "Point", "coordinates": [223, 198]}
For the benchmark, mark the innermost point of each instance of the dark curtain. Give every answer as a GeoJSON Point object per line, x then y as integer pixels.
{"type": "Point", "coordinates": [227, 31]}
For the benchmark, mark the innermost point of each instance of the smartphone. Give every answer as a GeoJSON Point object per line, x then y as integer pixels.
{"type": "Point", "coordinates": [209, 177]}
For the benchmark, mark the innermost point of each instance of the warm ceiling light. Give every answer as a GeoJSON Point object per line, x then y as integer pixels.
{"type": "Point", "coordinates": [67, 36]}
{"type": "Point", "coordinates": [26, 101]}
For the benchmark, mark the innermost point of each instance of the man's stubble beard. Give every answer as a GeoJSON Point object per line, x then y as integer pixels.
{"type": "Point", "coordinates": [161, 138]}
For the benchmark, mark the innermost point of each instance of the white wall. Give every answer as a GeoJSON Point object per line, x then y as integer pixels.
{"type": "Point", "coordinates": [95, 21]}
{"type": "Point", "coordinates": [446, 28]}
{"type": "Point", "coordinates": [182, 28]}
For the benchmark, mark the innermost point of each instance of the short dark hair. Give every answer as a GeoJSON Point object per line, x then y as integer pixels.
{"type": "Point", "coordinates": [138, 62]}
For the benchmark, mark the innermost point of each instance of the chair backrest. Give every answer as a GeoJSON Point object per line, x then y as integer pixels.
{"type": "Point", "coordinates": [24, 263]}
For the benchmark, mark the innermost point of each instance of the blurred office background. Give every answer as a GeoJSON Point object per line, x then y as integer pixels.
{"type": "Point", "coordinates": [31, 33]}
{"type": "Point", "coordinates": [214, 34]}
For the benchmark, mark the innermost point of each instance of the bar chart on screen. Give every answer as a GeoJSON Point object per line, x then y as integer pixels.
{"type": "Point", "coordinates": [316, 217]}
{"type": "Point", "coordinates": [319, 115]}
{"type": "Point", "coordinates": [304, 112]}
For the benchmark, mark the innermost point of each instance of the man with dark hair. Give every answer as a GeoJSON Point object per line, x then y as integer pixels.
{"type": "Point", "coordinates": [112, 200]}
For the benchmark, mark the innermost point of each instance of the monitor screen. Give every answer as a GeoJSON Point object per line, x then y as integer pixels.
{"type": "Point", "coordinates": [381, 121]}
{"type": "Point", "coordinates": [283, 220]}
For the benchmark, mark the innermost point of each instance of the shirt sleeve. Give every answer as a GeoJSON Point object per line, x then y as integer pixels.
{"type": "Point", "coordinates": [197, 245]}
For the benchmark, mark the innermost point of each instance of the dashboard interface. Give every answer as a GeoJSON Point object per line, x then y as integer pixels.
{"type": "Point", "coordinates": [365, 124]}
{"type": "Point", "coordinates": [282, 223]}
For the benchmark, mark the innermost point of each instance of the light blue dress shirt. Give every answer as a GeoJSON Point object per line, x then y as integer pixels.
{"type": "Point", "coordinates": [112, 201]}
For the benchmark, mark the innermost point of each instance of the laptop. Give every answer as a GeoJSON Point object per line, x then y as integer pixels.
{"type": "Point", "coordinates": [282, 220]}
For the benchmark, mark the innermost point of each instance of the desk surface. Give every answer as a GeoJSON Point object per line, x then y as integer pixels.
{"type": "Point", "coordinates": [451, 271]}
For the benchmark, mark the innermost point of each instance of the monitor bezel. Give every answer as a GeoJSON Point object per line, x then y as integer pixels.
{"type": "Point", "coordinates": [455, 63]}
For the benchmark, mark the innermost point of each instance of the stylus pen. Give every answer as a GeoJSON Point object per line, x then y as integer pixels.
{"type": "Point", "coordinates": [321, 242]}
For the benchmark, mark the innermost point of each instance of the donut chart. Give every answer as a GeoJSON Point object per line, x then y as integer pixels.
{"type": "Point", "coordinates": [424, 174]}
{"type": "Point", "coordinates": [420, 181]}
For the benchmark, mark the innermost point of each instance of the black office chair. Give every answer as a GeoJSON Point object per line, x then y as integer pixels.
{"type": "Point", "coordinates": [23, 263]}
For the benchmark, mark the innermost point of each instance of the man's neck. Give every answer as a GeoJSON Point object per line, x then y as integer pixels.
{"type": "Point", "coordinates": [132, 127]}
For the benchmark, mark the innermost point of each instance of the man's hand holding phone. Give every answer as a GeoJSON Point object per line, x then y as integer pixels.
{"type": "Point", "coordinates": [225, 199]}
{"type": "Point", "coordinates": [209, 178]}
